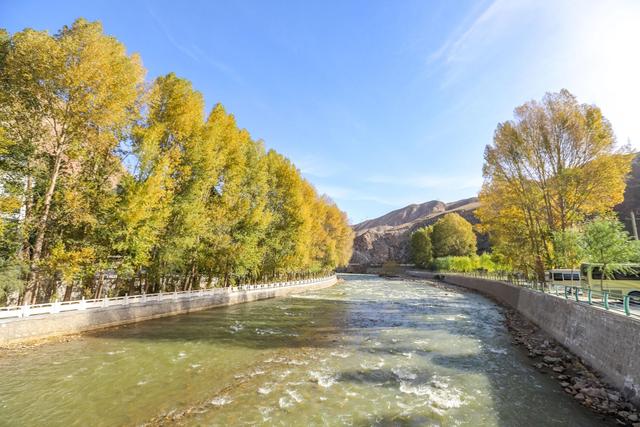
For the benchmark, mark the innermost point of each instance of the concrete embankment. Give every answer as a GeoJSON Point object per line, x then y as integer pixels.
{"type": "Point", "coordinates": [608, 342]}
{"type": "Point", "coordinates": [73, 322]}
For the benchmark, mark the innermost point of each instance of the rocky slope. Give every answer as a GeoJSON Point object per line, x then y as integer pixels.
{"type": "Point", "coordinates": [387, 237]}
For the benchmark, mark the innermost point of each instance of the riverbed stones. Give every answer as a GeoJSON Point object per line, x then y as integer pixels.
{"type": "Point", "coordinates": [549, 359]}
{"type": "Point", "coordinates": [576, 378]}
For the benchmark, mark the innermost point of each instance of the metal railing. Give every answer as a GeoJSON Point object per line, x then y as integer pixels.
{"type": "Point", "coordinates": [20, 311]}
{"type": "Point", "coordinates": [601, 299]}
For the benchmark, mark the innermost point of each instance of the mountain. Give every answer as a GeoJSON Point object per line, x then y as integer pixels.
{"type": "Point", "coordinates": [387, 237]}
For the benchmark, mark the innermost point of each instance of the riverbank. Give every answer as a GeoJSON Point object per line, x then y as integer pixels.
{"type": "Point", "coordinates": [21, 331]}
{"type": "Point", "coordinates": [572, 374]}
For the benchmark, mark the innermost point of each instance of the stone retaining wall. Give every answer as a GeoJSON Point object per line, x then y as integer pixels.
{"type": "Point", "coordinates": [72, 322]}
{"type": "Point", "coordinates": [606, 341]}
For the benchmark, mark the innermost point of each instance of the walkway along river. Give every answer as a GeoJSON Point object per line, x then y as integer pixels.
{"type": "Point", "coordinates": [367, 351]}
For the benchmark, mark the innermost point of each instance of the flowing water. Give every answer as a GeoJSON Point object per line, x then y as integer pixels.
{"type": "Point", "coordinates": [365, 352]}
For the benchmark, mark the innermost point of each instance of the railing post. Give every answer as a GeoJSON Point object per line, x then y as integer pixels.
{"type": "Point", "coordinates": [25, 311]}
{"type": "Point", "coordinates": [126, 299]}
{"type": "Point", "coordinates": [83, 304]}
{"type": "Point", "coordinates": [605, 296]}
{"type": "Point", "coordinates": [589, 292]}
{"type": "Point", "coordinates": [625, 303]}
{"type": "Point", "coordinates": [55, 308]}
{"type": "Point", "coordinates": [566, 294]}
{"type": "Point", "coordinates": [576, 291]}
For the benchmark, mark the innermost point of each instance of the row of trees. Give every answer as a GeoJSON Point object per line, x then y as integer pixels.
{"type": "Point", "coordinates": [104, 175]}
{"type": "Point", "coordinates": [550, 170]}
{"type": "Point", "coordinates": [450, 236]}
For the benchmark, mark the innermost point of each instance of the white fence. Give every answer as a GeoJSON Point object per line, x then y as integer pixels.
{"type": "Point", "coordinates": [18, 311]}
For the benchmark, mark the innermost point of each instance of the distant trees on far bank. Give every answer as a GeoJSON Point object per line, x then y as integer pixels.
{"type": "Point", "coordinates": [451, 235]}
{"type": "Point", "coordinates": [104, 175]}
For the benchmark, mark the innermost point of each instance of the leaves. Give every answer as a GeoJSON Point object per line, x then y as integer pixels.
{"type": "Point", "coordinates": [453, 235]}
{"type": "Point", "coordinates": [421, 248]}
{"type": "Point", "coordinates": [100, 172]}
{"type": "Point", "coordinates": [551, 168]}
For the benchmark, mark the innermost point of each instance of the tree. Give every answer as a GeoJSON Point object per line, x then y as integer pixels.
{"type": "Point", "coordinates": [548, 170]}
{"type": "Point", "coordinates": [453, 235]}
{"type": "Point", "coordinates": [100, 172]}
{"type": "Point", "coordinates": [567, 248]}
{"type": "Point", "coordinates": [63, 98]}
{"type": "Point", "coordinates": [421, 249]}
{"type": "Point", "coordinates": [607, 244]}
{"type": "Point", "coordinates": [152, 232]}
{"type": "Point", "coordinates": [288, 237]}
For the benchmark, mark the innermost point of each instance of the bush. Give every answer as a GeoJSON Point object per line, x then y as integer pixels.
{"type": "Point", "coordinates": [464, 264]}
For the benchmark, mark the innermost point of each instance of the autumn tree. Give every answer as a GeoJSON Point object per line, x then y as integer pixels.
{"type": "Point", "coordinates": [288, 237]}
{"type": "Point", "coordinates": [421, 248]}
{"type": "Point", "coordinates": [65, 99]}
{"type": "Point", "coordinates": [100, 173]}
{"type": "Point", "coordinates": [150, 232]}
{"type": "Point", "coordinates": [549, 169]}
{"type": "Point", "coordinates": [453, 235]}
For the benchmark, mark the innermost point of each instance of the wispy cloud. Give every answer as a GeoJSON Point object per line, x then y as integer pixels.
{"type": "Point", "coordinates": [486, 28]}
{"type": "Point", "coordinates": [350, 194]}
{"type": "Point", "coordinates": [429, 181]}
{"type": "Point", "coordinates": [194, 52]}
{"type": "Point", "coordinates": [314, 165]}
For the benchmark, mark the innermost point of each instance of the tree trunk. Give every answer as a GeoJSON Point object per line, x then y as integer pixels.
{"type": "Point", "coordinates": [98, 293]}
{"type": "Point", "coordinates": [67, 292]}
{"type": "Point", "coordinates": [41, 231]}
{"type": "Point", "coordinates": [26, 246]}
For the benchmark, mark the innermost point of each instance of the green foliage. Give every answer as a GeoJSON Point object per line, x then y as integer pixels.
{"type": "Point", "coordinates": [485, 262]}
{"type": "Point", "coordinates": [200, 203]}
{"type": "Point", "coordinates": [12, 272]}
{"type": "Point", "coordinates": [605, 242]}
{"type": "Point", "coordinates": [567, 248]}
{"type": "Point", "coordinates": [453, 235]}
{"type": "Point", "coordinates": [421, 248]}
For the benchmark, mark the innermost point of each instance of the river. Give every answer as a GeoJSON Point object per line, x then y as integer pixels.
{"type": "Point", "coordinates": [368, 351]}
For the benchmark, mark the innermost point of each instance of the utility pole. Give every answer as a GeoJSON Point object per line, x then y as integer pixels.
{"type": "Point", "coordinates": [633, 225]}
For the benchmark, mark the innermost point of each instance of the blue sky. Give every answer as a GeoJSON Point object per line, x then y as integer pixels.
{"type": "Point", "coordinates": [379, 103]}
